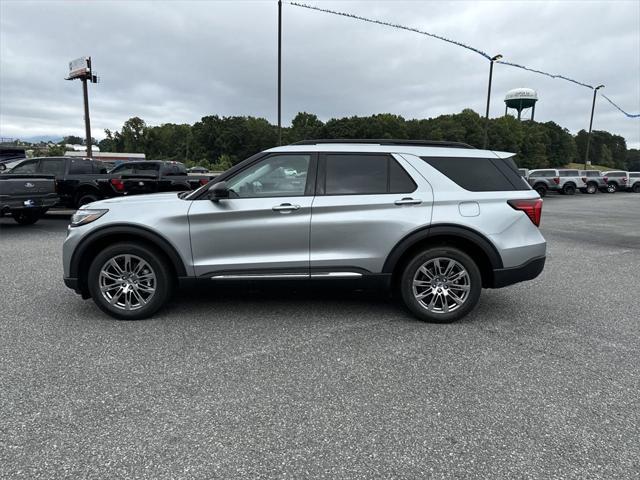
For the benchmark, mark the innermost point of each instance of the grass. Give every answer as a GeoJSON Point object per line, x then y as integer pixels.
{"type": "Point", "coordinates": [580, 166]}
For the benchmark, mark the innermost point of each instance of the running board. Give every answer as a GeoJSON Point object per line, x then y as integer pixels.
{"type": "Point", "coordinates": [269, 276]}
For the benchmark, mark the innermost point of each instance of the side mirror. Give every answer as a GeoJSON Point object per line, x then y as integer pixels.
{"type": "Point", "coordinates": [218, 191]}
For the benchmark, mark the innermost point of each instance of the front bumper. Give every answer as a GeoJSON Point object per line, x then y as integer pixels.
{"type": "Point", "coordinates": [503, 277]}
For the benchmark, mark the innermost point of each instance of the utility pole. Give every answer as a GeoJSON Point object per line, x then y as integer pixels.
{"type": "Point", "coordinates": [593, 107]}
{"type": "Point", "coordinates": [80, 68]}
{"type": "Point", "coordinates": [279, 72]}
{"type": "Point", "coordinates": [486, 115]}
{"type": "Point", "coordinates": [87, 120]}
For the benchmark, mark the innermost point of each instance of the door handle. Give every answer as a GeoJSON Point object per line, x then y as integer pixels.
{"type": "Point", "coordinates": [285, 207]}
{"type": "Point", "coordinates": [408, 201]}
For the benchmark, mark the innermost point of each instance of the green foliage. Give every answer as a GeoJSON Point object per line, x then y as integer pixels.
{"type": "Point", "coordinates": [56, 150]}
{"type": "Point", "coordinates": [71, 139]}
{"type": "Point", "coordinates": [220, 142]}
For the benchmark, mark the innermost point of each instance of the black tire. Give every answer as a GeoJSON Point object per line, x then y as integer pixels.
{"type": "Point", "coordinates": [636, 187]}
{"type": "Point", "coordinates": [27, 218]}
{"type": "Point", "coordinates": [86, 197]}
{"type": "Point", "coordinates": [541, 189]}
{"type": "Point", "coordinates": [569, 189]}
{"type": "Point", "coordinates": [443, 253]}
{"type": "Point", "coordinates": [591, 189]}
{"type": "Point", "coordinates": [164, 280]}
{"type": "Point", "coordinates": [612, 188]}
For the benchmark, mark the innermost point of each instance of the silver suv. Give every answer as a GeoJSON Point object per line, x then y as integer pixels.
{"type": "Point", "coordinates": [436, 221]}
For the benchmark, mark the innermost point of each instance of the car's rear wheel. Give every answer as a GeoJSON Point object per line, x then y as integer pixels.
{"type": "Point", "coordinates": [612, 188]}
{"type": "Point", "coordinates": [636, 188]}
{"type": "Point", "coordinates": [129, 281]}
{"type": "Point", "coordinates": [441, 284]}
{"type": "Point", "coordinates": [85, 198]}
{"type": "Point", "coordinates": [541, 189]}
{"type": "Point", "coordinates": [569, 189]}
{"type": "Point", "coordinates": [27, 218]}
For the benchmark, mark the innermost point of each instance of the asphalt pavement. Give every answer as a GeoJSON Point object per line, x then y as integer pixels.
{"type": "Point", "coordinates": [540, 381]}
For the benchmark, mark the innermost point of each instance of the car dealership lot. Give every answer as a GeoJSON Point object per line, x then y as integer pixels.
{"type": "Point", "coordinates": [541, 380]}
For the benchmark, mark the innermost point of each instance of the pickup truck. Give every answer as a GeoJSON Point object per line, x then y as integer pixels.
{"type": "Point", "coordinates": [26, 197]}
{"type": "Point", "coordinates": [150, 176]}
{"type": "Point", "coordinates": [78, 180]}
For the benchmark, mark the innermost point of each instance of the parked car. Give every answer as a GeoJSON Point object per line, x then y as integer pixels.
{"type": "Point", "coordinates": [564, 181]}
{"type": "Point", "coordinates": [437, 221]}
{"type": "Point", "coordinates": [617, 180]}
{"type": "Point", "coordinates": [78, 180]}
{"type": "Point", "coordinates": [159, 176]}
{"type": "Point", "coordinates": [593, 181]}
{"type": "Point", "coordinates": [26, 197]}
{"type": "Point", "coordinates": [634, 182]}
{"type": "Point", "coordinates": [543, 181]}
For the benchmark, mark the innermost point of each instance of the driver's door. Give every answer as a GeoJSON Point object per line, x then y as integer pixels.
{"type": "Point", "coordinates": [263, 228]}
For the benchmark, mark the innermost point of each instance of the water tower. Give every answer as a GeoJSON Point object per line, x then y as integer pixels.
{"type": "Point", "coordinates": [521, 99]}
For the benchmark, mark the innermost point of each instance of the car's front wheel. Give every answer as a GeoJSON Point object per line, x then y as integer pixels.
{"type": "Point", "coordinates": [612, 188]}
{"type": "Point", "coordinates": [441, 284]}
{"type": "Point", "coordinates": [591, 188]}
{"type": "Point", "coordinates": [129, 281]}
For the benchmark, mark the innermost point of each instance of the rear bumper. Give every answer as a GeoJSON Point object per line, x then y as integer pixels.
{"type": "Point", "coordinates": [10, 204]}
{"type": "Point", "coordinates": [504, 277]}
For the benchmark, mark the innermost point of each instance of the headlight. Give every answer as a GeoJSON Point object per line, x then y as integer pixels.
{"type": "Point", "coordinates": [84, 216]}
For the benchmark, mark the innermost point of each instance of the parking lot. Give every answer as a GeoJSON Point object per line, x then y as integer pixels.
{"type": "Point", "coordinates": [540, 381]}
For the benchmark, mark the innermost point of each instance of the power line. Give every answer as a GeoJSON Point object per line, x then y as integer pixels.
{"type": "Point", "coordinates": [459, 44]}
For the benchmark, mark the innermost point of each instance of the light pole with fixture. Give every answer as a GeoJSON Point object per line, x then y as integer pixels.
{"type": "Point", "coordinates": [593, 107]}
{"type": "Point", "coordinates": [486, 115]}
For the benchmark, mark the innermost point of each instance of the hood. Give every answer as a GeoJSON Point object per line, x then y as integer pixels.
{"type": "Point", "coordinates": [152, 198]}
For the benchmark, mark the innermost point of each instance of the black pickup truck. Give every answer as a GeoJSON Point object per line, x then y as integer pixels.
{"type": "Point", "coordinates": [78, 180]}
{"type": "Point", "coordinates": [151, 176]}
{"type": "Point", "coordinates": [26, 197]}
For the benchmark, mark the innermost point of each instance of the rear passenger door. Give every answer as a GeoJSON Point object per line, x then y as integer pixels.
{"type": "Point", "coordinates": [365, 204]}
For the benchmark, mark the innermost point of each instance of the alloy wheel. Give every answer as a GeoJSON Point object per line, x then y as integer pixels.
{"type": "Point", "coordinates": [127, 282]}
{"type": "Point", "coordinates": [441, 285]}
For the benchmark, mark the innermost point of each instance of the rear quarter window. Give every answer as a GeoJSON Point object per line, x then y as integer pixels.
{"type": "Point", "coordinates": [480, 174]}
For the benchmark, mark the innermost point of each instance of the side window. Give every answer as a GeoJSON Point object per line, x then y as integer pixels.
{"type": "Point", "coordinates": [399, 180]}
{"type": "Point", "coordinates": [80, 167]}
{"type": "Point", "coordinates": [479, 174]}
{"type": "Point", "coordinates": [146, 168]}
{"type": "Point", "coordinates": [52, 166]}
{"type": "Point", "coordinates": [356, 174]}
{"type": "Point", "coordinates": [276, 176]}
{"type": "Point", "coordinates": [25, 167]}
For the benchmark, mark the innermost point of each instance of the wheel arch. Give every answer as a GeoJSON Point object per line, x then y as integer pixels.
{"type": "Point", "coordinates": [103, 237]}
{"type": "Point", "coordinates": [473, 243]}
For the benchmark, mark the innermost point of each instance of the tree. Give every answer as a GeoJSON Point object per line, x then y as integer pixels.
{"type": "Point", "coordinates": [56, 150]}
{"type": "Point", "coordinates": [72, 140]}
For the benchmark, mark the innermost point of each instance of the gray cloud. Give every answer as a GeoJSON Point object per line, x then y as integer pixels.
{"type": "Point", "coordinates": [177, 61]}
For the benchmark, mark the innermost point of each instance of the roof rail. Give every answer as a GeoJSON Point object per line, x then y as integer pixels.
{"type": "Point", "coordinates": [387, 141]}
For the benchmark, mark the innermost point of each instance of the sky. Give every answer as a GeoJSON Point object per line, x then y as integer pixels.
{"type": "Point", "coordinates": [177, 61]}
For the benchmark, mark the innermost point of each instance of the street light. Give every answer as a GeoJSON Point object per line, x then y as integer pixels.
{"type": "Point", "coordinates": [486, 115]}
{"type": "Point", "coordinates": [593, 107]}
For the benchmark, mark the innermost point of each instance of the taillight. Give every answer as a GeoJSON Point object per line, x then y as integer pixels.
{"type": "Point", "coordinates": [118, 185]}
{"type": "Point", "coordinates": [533, 208]}
{"type": "Point", "coordinates": [584, 179]}
{"type": "Point", "coordinates": [556, 180]}
{"type": "Point", "coordinates": [606, 179]}
{"type": "Point", "coordinates": [624, 179]}
{"type": "Point", "coordinates": [204, 181]}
